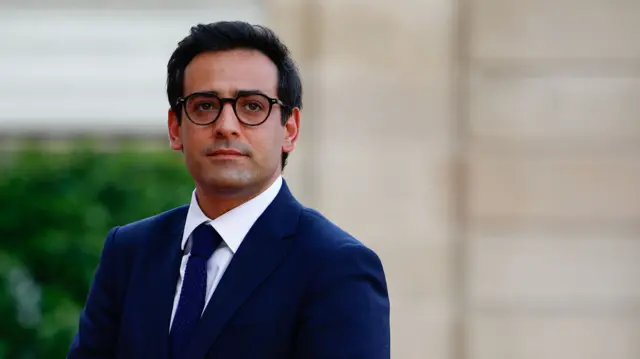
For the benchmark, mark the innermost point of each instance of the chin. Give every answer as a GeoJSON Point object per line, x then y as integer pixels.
{"type": "Point", "coordinates": [229, 180]}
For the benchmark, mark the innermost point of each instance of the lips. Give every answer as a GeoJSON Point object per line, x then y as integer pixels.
{"type": "Point", "coordinates": [226, 152]}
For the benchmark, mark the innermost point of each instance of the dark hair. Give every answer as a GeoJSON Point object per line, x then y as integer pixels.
{"type": "Point", "coordinates": [230, 35]}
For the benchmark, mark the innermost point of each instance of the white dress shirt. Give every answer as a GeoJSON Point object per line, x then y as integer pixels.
{"type": "Point", "coordinates": [232, 226]}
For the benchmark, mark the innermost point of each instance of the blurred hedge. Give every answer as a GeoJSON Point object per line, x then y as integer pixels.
{"type": "Point", "coordinates": [57, 208]}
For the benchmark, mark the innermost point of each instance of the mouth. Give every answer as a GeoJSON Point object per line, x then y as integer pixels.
{"type": "Point", "coordinates": [226, 153]}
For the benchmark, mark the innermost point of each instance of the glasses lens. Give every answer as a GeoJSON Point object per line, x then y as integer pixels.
{"type": "Point", "coordinates": [252, 109]}
{"type": "Point", "coordinates": [203, 109]}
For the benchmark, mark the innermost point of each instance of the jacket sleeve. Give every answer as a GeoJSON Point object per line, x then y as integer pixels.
{"type": "Point", "coordinates": [99, 320]}
{"type": "Point", "coordinates": [347, 314]}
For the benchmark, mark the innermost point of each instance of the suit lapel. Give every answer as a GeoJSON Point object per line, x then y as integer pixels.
{"type": "Point", "coordinates": [160, 282]}
{"type": "Point", "coordinates": [261, 251]}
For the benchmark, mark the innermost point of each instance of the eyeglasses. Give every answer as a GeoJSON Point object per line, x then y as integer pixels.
{"type": "Point", "coordinates": [251, 108]}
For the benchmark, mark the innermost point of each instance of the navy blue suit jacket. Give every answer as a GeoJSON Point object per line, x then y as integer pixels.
{"type": "Point", "coordinates": [298, 287]}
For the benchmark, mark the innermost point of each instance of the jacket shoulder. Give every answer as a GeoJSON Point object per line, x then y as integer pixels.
{"type": "Point", "coordinates": [132, 234]}
{"type": "Point", "coordinates": [125, 242]}
{"type": "Point", "coordinates": [334, 256]}
{"type": "Point", "coordinates": [324, 237]}
{"type": "Point", "coordinates": [315, 224]}
{"type": "Point", "coordinates": [151, 223]}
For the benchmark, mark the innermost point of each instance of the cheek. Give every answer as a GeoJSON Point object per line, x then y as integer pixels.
{"type": "Point", "coordinates": [277, 140]}
{"type": "Point", "coordinates": [264, 137]}
{"type": "Point", "coordinates": [267, 144]}
{"type": "Point", "coordinates": [193, 137]}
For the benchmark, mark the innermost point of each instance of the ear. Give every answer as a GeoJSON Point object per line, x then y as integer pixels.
{"type": "Point", "coordinates": [291, 131]}
{"type": "Point", "coordinates": [175, 140]}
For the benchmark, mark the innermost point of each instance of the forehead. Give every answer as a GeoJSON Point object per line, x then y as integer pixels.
{"type": "Point", "coordinates": [227, 72]}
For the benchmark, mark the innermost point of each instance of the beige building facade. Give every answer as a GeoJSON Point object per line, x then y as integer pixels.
{"type": "Point", "coordinates": [489, 150]}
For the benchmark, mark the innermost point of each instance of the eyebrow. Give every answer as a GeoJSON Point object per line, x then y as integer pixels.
{"type": "Point", "coordinates": [250, 92]}
{"type": "Point", "coordinates": [237, 93]}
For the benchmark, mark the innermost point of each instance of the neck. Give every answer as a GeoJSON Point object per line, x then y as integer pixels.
{"type": "Point", "coordinates": [216, 202]}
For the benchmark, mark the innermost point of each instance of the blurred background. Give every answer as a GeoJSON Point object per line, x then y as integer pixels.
{"type": "Point", "coordinates": [488, 150]}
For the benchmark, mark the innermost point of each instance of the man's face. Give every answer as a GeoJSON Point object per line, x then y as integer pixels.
{"type": "Point", "coordinates": [228, 156]}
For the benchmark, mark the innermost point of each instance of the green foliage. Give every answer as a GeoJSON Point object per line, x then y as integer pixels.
{"type": "Point", "coordinates": [57, 208]}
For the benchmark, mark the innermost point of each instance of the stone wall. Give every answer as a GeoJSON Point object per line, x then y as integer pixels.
{"type": "Point", "coordinates": [489, 151]}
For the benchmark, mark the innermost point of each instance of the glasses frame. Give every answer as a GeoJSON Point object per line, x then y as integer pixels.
{"type": "Point", "coordinates": [182, 101]}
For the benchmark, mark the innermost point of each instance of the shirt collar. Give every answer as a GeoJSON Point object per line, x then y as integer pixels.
{"type": "Point", "coordinates": [234, 225]}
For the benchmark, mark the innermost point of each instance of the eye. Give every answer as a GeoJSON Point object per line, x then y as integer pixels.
{"type": "Point", "coordinates": [253, 106]}
{"type": "Point", "coordinates": [205, 106]}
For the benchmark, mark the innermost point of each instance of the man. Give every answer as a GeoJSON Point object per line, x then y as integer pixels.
{"type": "Point", "coordinates": [244, 271]}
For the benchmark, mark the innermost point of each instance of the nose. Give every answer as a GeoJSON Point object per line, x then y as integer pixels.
{"type": "Point", "coordinates": [227, 124]}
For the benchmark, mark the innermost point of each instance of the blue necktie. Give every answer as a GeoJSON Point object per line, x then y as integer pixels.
{"type": "Point", "coordinates": [204, 240]}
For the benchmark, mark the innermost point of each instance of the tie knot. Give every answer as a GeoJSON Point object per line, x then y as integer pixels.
{"type": "Point", "coordinates": [204, 241]}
